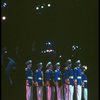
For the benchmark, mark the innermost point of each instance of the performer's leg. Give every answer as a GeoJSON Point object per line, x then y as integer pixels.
{"type": "Point", "coordinates": [49, 93]}
{"type": "Point", "coordinates": [66, 92]}
{"type": "Point", "coordinates": [58, 92]}
{"type": "Point", "coordinates": [26, 92]}
{"type": "Point", "coordinates": [85, 94]}
{"type": "Point", "coordinates": [79, 92]}
{"type": "Point", "coordinates": [52, 93]}
{"type": "Point", "coordinates": [61, 92]}
{"type": "Point", "coordinates": [71, 91]}
{"type": "Point", "coordinates": [38, 93]}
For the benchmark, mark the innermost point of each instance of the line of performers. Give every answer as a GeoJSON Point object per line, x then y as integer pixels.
{"type": "Point", "coordinates": [69, 84]}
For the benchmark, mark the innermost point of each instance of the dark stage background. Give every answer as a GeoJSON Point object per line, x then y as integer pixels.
{"type": "Point", "coordinates": [66, 22]}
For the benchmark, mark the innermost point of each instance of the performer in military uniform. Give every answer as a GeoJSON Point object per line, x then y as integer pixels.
{"type": "Point", "coordinates": [39, 81]}
{"type": "Point", "coordinates": [29, 80]}
{"type": "Point", "coordinates": [78, 80]}
{"type": "Point", "coordinates": [68, 81]}
{"type": "Point", "coordinates": [58, 81]}
{"type": "Point", "coordinates": [85, 83]}
{"type": "Point", "coordinates": [49, 82]}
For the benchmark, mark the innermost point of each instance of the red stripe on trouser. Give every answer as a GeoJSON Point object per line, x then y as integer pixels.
{"type": "Point", "coordinates": [48, 93]}
{"type": "Point", "coordinates": [39, 90]}
{"type": "Point", "coordinates": [28, 93]}
{"type": "Point", "coordinates": [59, 97]}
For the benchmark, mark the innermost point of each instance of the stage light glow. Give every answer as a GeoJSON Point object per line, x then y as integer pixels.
{"type": "Point", "coordinates": [37, 8]}
{"type": "Point", "coordinates": [5, 52]}
{"type": "Point", "coordinates": [51, 50]}
{"type": "Point", "coordinates": [42, 6]}
{"type": "Point", "coordinates": [49, 43]}
{"type": "Point", "coordinates": [4, 4]}
{"type": "Point", "coordinates": [3, 17]}
{"type": "Point", "coordinates": [49, 5]}
{"type": "Point", "coordinates": [47, 50]}
{"type": "Point", "coordinates": [76, 46]}
{"type": "Point", "coordinates": [60, 56]}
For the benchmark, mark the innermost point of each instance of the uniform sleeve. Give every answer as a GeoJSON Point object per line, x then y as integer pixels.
{"type": "Point", "coordinates": [75, 74]}
{"type": "Point", "coordinates": [82, 77]}
{"type": "Point", "coordinates": [42, 75]}
{"type": "Point", "coordinates": [47, 75]}
{"type": "Point", "coordinates": [86, 77]}
{"type": "Point", "coordinates": [61, 76]}
{"type": "Point", "coordinates": [66, 75]}
{"type": "Point", "coordinates": [55, 76]}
